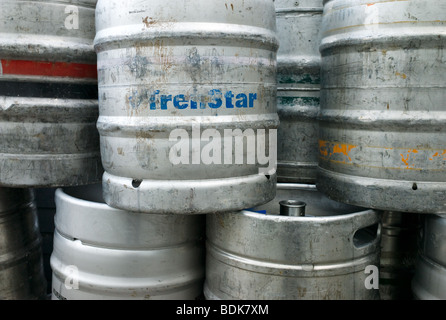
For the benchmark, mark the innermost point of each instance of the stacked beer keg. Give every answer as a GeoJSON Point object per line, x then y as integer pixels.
{"type": "Point", "coordinates": [381, 142]}
{"type": "Point", "coordinates": [244, 150]}
{"type": "Point", "coordinates": [48, 112]}
{"type": "Point", "coordinates": [170, 79]}
{"type": "Point", "coordinates": [301, 245]}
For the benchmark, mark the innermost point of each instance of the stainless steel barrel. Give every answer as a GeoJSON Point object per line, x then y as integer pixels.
{"type": "Point", "coordinates": [105, 253]}
{"type": "Point", "coordinates": [325, 254]}
{"type": "Point", "coordinates": [399, 250]}
{"type": "Point", "coordinates": [21, 266]}
{"type": "Point", "coordinates": [429, 282]}
{"type": "Point", "coordinates": [298, 89]}
{"type": "Point", "coordinates": [46, 209]}
{"type": "Point", "coordinates": [48, 94]}
{"type": "Point", "coordinates": [382, 143]}
{"type": "Point", "coordinates": [187, 104]}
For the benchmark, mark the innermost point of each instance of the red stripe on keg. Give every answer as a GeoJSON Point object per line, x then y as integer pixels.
{"type": "Point", "coordinates": [49, 69]}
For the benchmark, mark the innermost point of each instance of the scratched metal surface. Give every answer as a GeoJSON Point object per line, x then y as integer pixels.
{"type": "Point", "coordinates": [124, 255]}
{"type": "Point", "coordinates": [323, 255]}
{"type": "Point", "coordinates": [298, 86]}
{"type": "Point", "coordinates": [165, 67]}
{"type": "Point", "coordinates": [21, 263]}
{"type": "Point", "coordinates": [47, 117]}
{"type": "Point", "coordinates": [382, 141]}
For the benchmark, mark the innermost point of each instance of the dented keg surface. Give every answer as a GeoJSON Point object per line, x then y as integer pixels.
{"type": "Point", "coordinates": [48, 94]}
{"type": "Point", "coordinates": [324, 252]}
{"type": "Point", "coordinates": [298, 89]}
{"type": "Point", "coordinates": [107, 253]}
{"type": "Point", "coordinates": [21, 267]}
{"type": "Point", "coordinates": [383, 104]}
{"type": "Point", "coordinates": [399, 250]}
{"type": "Point", "coordinates": [187, 104]}
{"type": "Point", "coordinates": [429, 282]}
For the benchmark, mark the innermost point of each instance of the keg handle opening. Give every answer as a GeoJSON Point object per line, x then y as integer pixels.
{"type": "Point", "coordinates": [292, 208]}
{"type": "Point", "coordinates": [366, 236]}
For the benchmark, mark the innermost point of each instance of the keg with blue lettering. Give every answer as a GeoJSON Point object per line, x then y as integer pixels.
{"type": "Point", "coordinates": [429, 282]}
{"type": "Point", "coordinates": [382, 143]}
{"type": "Point", "coordinates": [48, 94]}
{"type": "Point", "coordinates": [187, 104]}
{"type": "Point", "coordinates": [298, 89]}
{"type": "Point", "coordinates": [300, 246]}
{"type": "Point", "coordinates": [103, 253]}
{"type": "Point", "coordinates": [21, 265]}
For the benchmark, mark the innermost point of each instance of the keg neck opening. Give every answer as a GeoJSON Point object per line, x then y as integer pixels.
{"type": "Point", "coordinates": [292, 208]}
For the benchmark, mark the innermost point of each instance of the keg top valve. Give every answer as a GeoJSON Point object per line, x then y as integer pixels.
{"type": "Point", "coordinates": [292, 208]}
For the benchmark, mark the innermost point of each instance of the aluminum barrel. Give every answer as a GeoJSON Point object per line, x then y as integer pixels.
{"type": "Point", "coordinates": [429, 282]}
{"type": "Point", "coordinates": [332, 252]}
{"type": "Point", "coordinates": [48, 94]}
{"type": "Point", "coordinates": [46, 210]}
{"type": "Point", "coordinates": [298, 89]}
{"type": "Point", "coordinates": [399, 250]}
{"type": "Point", "coordinates": [382, 143]}
{"type": "Point", "coordinates": [21, 265]}
{"type": "Point", "coordinates": [187, 104]}
{"type": "Point", "coordinates": [105, 253]}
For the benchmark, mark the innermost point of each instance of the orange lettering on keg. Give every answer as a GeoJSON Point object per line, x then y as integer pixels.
{"type": "Point", "coordinates": [437, 154]}
{"type": "Point", "coordinates": [326, 150]}
{"type": "Point", "coordinates": [344, 149]}
{"type": "Point", "coordinates": [323, 148]}
{"type": "Point", "coordinates": [405, 159]}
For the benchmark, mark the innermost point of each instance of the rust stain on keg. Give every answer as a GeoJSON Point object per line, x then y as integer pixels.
{"type": "Point", "coordinates": [145, 134]}
{"type": "Point", "coordinates": [220, 222]}
{"type": "Point", "coordinates": [402, 75]}
{"type": "Point", "coordinates": [147, 22]}
{"type": "Point", "coordinates": [301, 292]}
{"type": "Point", "coordinates": [40, 136]}
{"type": "Point", "coordinates": [162, 56]}
{"type": "Point", "coordinates": [120, 151]}
{"type": "Point", "coordinates": [227, 8]}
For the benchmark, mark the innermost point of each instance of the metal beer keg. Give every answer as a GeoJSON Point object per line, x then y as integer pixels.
{"type": "Point", "coordinates": [429, 282]}
{"type": "Point", "coordinates": [298, 89]}
{"type": "Point", "coordinates": [105, 253]}
{"type": "Point", "coordinates": [48, 94]}
{"type": "Point", "coordinates": [382, 143]}
{"type": "Point", "coordinates": [300, 246]}
{"type": "Point", "coordinates": [21, 265]}
{"type": "Point", "coordinates": [187, 104]}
